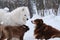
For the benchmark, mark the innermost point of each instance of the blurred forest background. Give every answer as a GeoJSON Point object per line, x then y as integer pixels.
{"type": "Point", "coordinates": [40, 4]}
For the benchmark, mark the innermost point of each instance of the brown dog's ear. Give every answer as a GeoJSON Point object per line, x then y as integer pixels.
{"type": "Point", "coordinates": [41, 21]}
{"type": "Point", "coordinates": [38, 21]}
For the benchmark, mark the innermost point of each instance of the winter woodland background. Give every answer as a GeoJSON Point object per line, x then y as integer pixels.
{"type": "Point", "coordinates": [41, 5]}
{"type": "Point", "coordinates": [48, 10]}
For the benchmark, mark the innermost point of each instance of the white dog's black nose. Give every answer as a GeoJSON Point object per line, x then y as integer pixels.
{"type": "Point", "coordinates": [27, 18]}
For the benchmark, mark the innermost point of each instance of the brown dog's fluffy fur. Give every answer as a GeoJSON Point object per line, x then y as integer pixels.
{"type": "Point", "coordinates": [43, 31]}
{"type": "Point", "coordinates": [13, 31]}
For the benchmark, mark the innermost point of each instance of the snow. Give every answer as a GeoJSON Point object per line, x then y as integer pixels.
{"type": "Point", "coordinates": [6, 9]}
{"type": "Point", "coordinates": [50, 20]}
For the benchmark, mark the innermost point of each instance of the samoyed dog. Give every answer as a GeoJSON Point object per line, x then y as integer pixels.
{"type": "Point", "coordinates": [18, 16]}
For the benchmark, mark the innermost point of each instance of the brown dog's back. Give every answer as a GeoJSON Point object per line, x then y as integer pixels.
{"type": "Point", "coordinates": [14, 31]}
{"type": "Point", "coordinates": [44, 31]}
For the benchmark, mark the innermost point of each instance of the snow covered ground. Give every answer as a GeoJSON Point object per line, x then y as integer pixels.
{"type": "Point", "coordinates": [50, 20]}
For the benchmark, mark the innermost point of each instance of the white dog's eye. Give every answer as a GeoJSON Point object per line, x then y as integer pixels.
{"type": "Point", "coordinates": [24, 15]}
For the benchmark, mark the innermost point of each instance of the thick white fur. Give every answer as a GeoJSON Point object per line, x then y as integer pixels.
{"type": "Point", "coordinates": [2, 13]}
{"type": "Point", "coordinates": [16, 17]}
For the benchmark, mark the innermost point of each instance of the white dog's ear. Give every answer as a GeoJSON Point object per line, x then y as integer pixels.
{"type": "Point", "coordinates": [23, 9]}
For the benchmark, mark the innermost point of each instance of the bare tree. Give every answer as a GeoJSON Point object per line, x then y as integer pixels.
{"type": "Point", "coordinates": [32, 7]}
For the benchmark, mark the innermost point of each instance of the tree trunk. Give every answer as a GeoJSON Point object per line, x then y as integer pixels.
{"type": "Point", "coordinates": [32, 7]}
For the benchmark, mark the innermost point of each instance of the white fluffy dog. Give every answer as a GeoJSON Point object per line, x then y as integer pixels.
{"type": "Point", "coordinates": [18, 16]}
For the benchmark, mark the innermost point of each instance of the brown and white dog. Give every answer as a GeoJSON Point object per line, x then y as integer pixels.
{"type": "Point", "coordinates": [13, 31]}
{"type": "Point", "coordinates": [44, 31]}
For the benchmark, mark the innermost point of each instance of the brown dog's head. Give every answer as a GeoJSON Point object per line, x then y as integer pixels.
{"type": "Point", "coordinates": [25, 27]}
{"type": "Point", "coordinates": [37, 21]}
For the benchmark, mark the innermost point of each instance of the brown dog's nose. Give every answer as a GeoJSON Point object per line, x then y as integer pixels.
{"type": "Point", "coordinates": [32, 21]}
{"type": "Point", "coordinates": [28, 28]}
